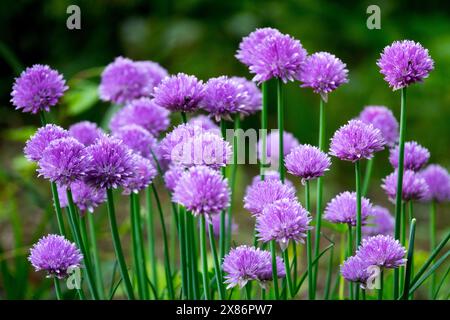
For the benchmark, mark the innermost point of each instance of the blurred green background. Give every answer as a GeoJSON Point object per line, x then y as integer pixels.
{"type": "Point", "coordinates": [200, 37]}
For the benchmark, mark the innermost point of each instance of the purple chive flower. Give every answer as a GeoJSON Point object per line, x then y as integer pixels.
{"type": "Point", "coordinates": [380, 222]}
{"type": "Point", "coordinates": [175, 138]}
{"type": "Point", "coordinates": [144, 171]}
{"type": "Point", "coordinates": [137, 139]}
{"type": "Point", "coordinates": [244, 264]}
{"type": "Point", "coordinates": [355, 141]}
{"type": "Point", "coordinates": [269, 175]}
{"type": "Point", "coordinates": [415, 157]}
{"type": "Point", "coordinates": [215, 221]}
{"type": "Point", "coordinates": [124, 80]}
{"type": "Point", "coordinates": [383, 251]}
{"type": "Point", "coordinates": [37, 89]}
{"type": "Point", "coordinates": [354, 269]}
{"type": "Point", "coordinates": [223, 97]}
{"type": "Point", "coordinates": [207, 149]}
{"type": "Point", "coordinates": [253, 103]}
{"type": "Point", "coordinates": [283, 220]}
{"type": "Point", "coordinates": [172, 176]}
{"type": "Point", "coordinates": [36, 145]}
{"type": "Point", "coordinates": [438, 181]}
{"type": "Point", "coordinates": [85, 197]}
{"type": "Point", "coordinates": [404, 63]}
{"type": "Point", "coordinates": [154, 72]}
{"type": "Point", "coordinates": [383, 119]}
{"type": "Point", "coordinates": [273, 145]}
{"type": "Point", "coordinates": [414, 186]}
{"type": "Point", "coordinates": [277, 56]}
{"type": "Point", "coordinates": [55, 255]}
{"type": "Point", "coordinates": [324, 73]}
{"type": "Point", "coordinates": [85, 132]}
{"type": "Point", "coordinates": [63, 161]}
{"type": "Point", "coordinates": [109, 163]}
{"type": "Point", "coordinates": [263, 193]}
{"type": "Point", "coordinates": [202, 190]}
{"type": "Point", "coordinates": [205, 123]}
{"type": "Point", "coordinates": [249, 44]}
{"type": "Point", "coordinates": [342, 209]}
{"type": "Point", "coordinates": [307, 162]}
{"type": "Point", "coordinates": [180, 93]}
{"type": "Point", "coordinates": [144, 112]}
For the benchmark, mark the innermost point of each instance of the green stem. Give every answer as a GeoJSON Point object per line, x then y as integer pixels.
{"type": "Point", "coordinates": [96, 256]}
{"type": "Point", "coordinates": [311, 288]}
{"type": "Point", "coordinates": [329, 275]}
{"type": "Point", "coordinates": [248, 293]}
{"type": "Point", "coordinates": [74, 217]}
{"type": "Point", "coordinates": [398, 199]}
{"type": "Point", "coordinates": [57, 288]}
{"type": "Point", "coordinates": [349, 253]}
{"type": "Point", "coordinates": [294, 263]}
{"type": "Point", "coordinates": [222, 233]}
{"type": "Point", "coordinates": [151, 238]}
{"type": "Point", "coordinates": [367, 176]}
{"type": "Point", "coordinates": [182, 229]}
{"type": "Point", "coordinates": [273, 251]}
{"type": "Point", "coordinates": [432, 231]}
{"type": "Point", "coordinates": [380, 291]}
{"type": "Point", "coordinates": [229, 225]}
{"type": "Point", "coordinates": [184, 117]}
{"type": "Point", "coordinates": [204, 256]}
{"type": "Point", "coordinates": [280, 108]}
{"type": "Point", "coordinates": [290, 287]}
{"type": "Point", "coordinates": [358, 204]}
{"type": "Point", "coordinates": [342, 255]}
{"type": "Point", "coordinates": [193, 254]}
{"type": "Point", "coordinates": [319, 188]}
{"type": "Point", "coordinates": [117, 245]}
{"type": "Point", "coordinates": [264, 125]}
{"type": "Point", "coordinates": [217, 267]}
{"type": "Point", "coordinates": [58, 211]}
{"type": "Point", "coordinates": [403, 242]}
{"type": "Point", "coordinates": [409, 264]}
{"type": "Point", "coordinates": [169, 280]}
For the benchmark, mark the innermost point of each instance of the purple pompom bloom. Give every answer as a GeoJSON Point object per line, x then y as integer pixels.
{"type": "Point", "coordinates": [415, 156]}
{"type": "Point", "coordinates": [383, 251]}
{"type": "Point", "coordinates": [109, 163]}
{"type": "Point", "coordinates": [253, 102]}
{"type": "Point", "coordinates": [354, 269]}
{"type": "Point", "coordinates": [85, 197]}
{"type": "Point", "coordinates": [124, 80]}
{"type": "Point", "coordinates": [37, 89]}
{"type": "Point", "coordinates": [215, 221]}
{"type": "Point", "coordinates": [137, 139]}
{"type": "Point", "coordinates": [270, 175]}
{"type": "Point", "coordinates": [438, 181]}
{"type": "Point", "coordinates": [202, 190]}
{"type": "Point", "coordinates": [207, 149]}
{"type": "Point", "coordinates": [324, 73]}
{"type": "Point", "coordinates": [63, 161]}
{"type": "Point", "coordinates": [180, 93]}
{"type": "Point", "coordinates": [172, 176]}
{"type": "Point", "coordinates": [205, 123]}
{"type": "Point", "coordinates": [174, 139]}
{"type": "Point", "coordinates": [263, 193]}
{"type": "Point", "coordinates": [380, 222]}
{"type": "Point", "coordinates": [249, 45]}
{"type": "Point", "coordinates": [342, 209]}
{"type": "Point", "coordinates": [144, 112]}
{"type": "Point", "coordinates": [244, 263]}
{"type": "Point", "coordinates": [307, 162]}
{"type": "Point", "coordinates": [36, 145]}
{"type": "Point", "coordinates": [154, 72]}
{"type": "Point", "coordinates": [55, 255]}
{"type": "Point", "coordinates": [283, 220]}
{"type": "Point", "coordinates": [273, 145]}
{"type": "Point", "coordinates": [355, 141]}
{"type": "Point", "coordinates": [277, 56]}
{"type": "Point", "coordinates": [85, 132]}
{"type": "Point", "coordinates": [144, 173]}
{"type": "Point", "coordinates": [383, 119]}
{"type": "Point", "coordinates": [223, 97]}
{"type": "Point", "coordinates": [414, 186]}
{"type": "Point", "coordinates": [405, 62]}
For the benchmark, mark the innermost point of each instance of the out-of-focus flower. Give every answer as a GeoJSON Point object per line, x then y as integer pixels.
{"type": "Point", "coordinates": [438, 181]}
{"type": "Point", "coordinates": [414, 186]}
{"type": "Point", "coordinates": [55, 255]}
{"type": "Point", "coordinates": [143, 176]}
{"type": "Point", "coordinates": [380, 222]}
{"type": "Point", "coordinates": [37, 89]}
{"type": "Point", "coordinates": [342, 209]}
{"type": "Point", "coordinates": [172, 176]}
{"type": "Point", "coordinates": [273, 145]}
{"type": "Point", "coordinates": [404, 63]}
{"type": "Point", "coordinates": [253, 103]}
{"type": "Point", "coordinates": [383, 119]}
{"type": "Point", "coordinates": [215, 221]}
{"type": "Point", "coordinates": [137, 139]}
{"type": "Point", "coordinates": [205, 123]}
{"type": "Point", "coordinates": [36, 145]}
{"type": "Point", "coordinates": [355, 141]}
{"type": "Point", "coordinates": [85, 197]}
{"type": "Point", "coordinates": [415, 156]}
{"type": "Point", "coordinates": [85, 132]}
